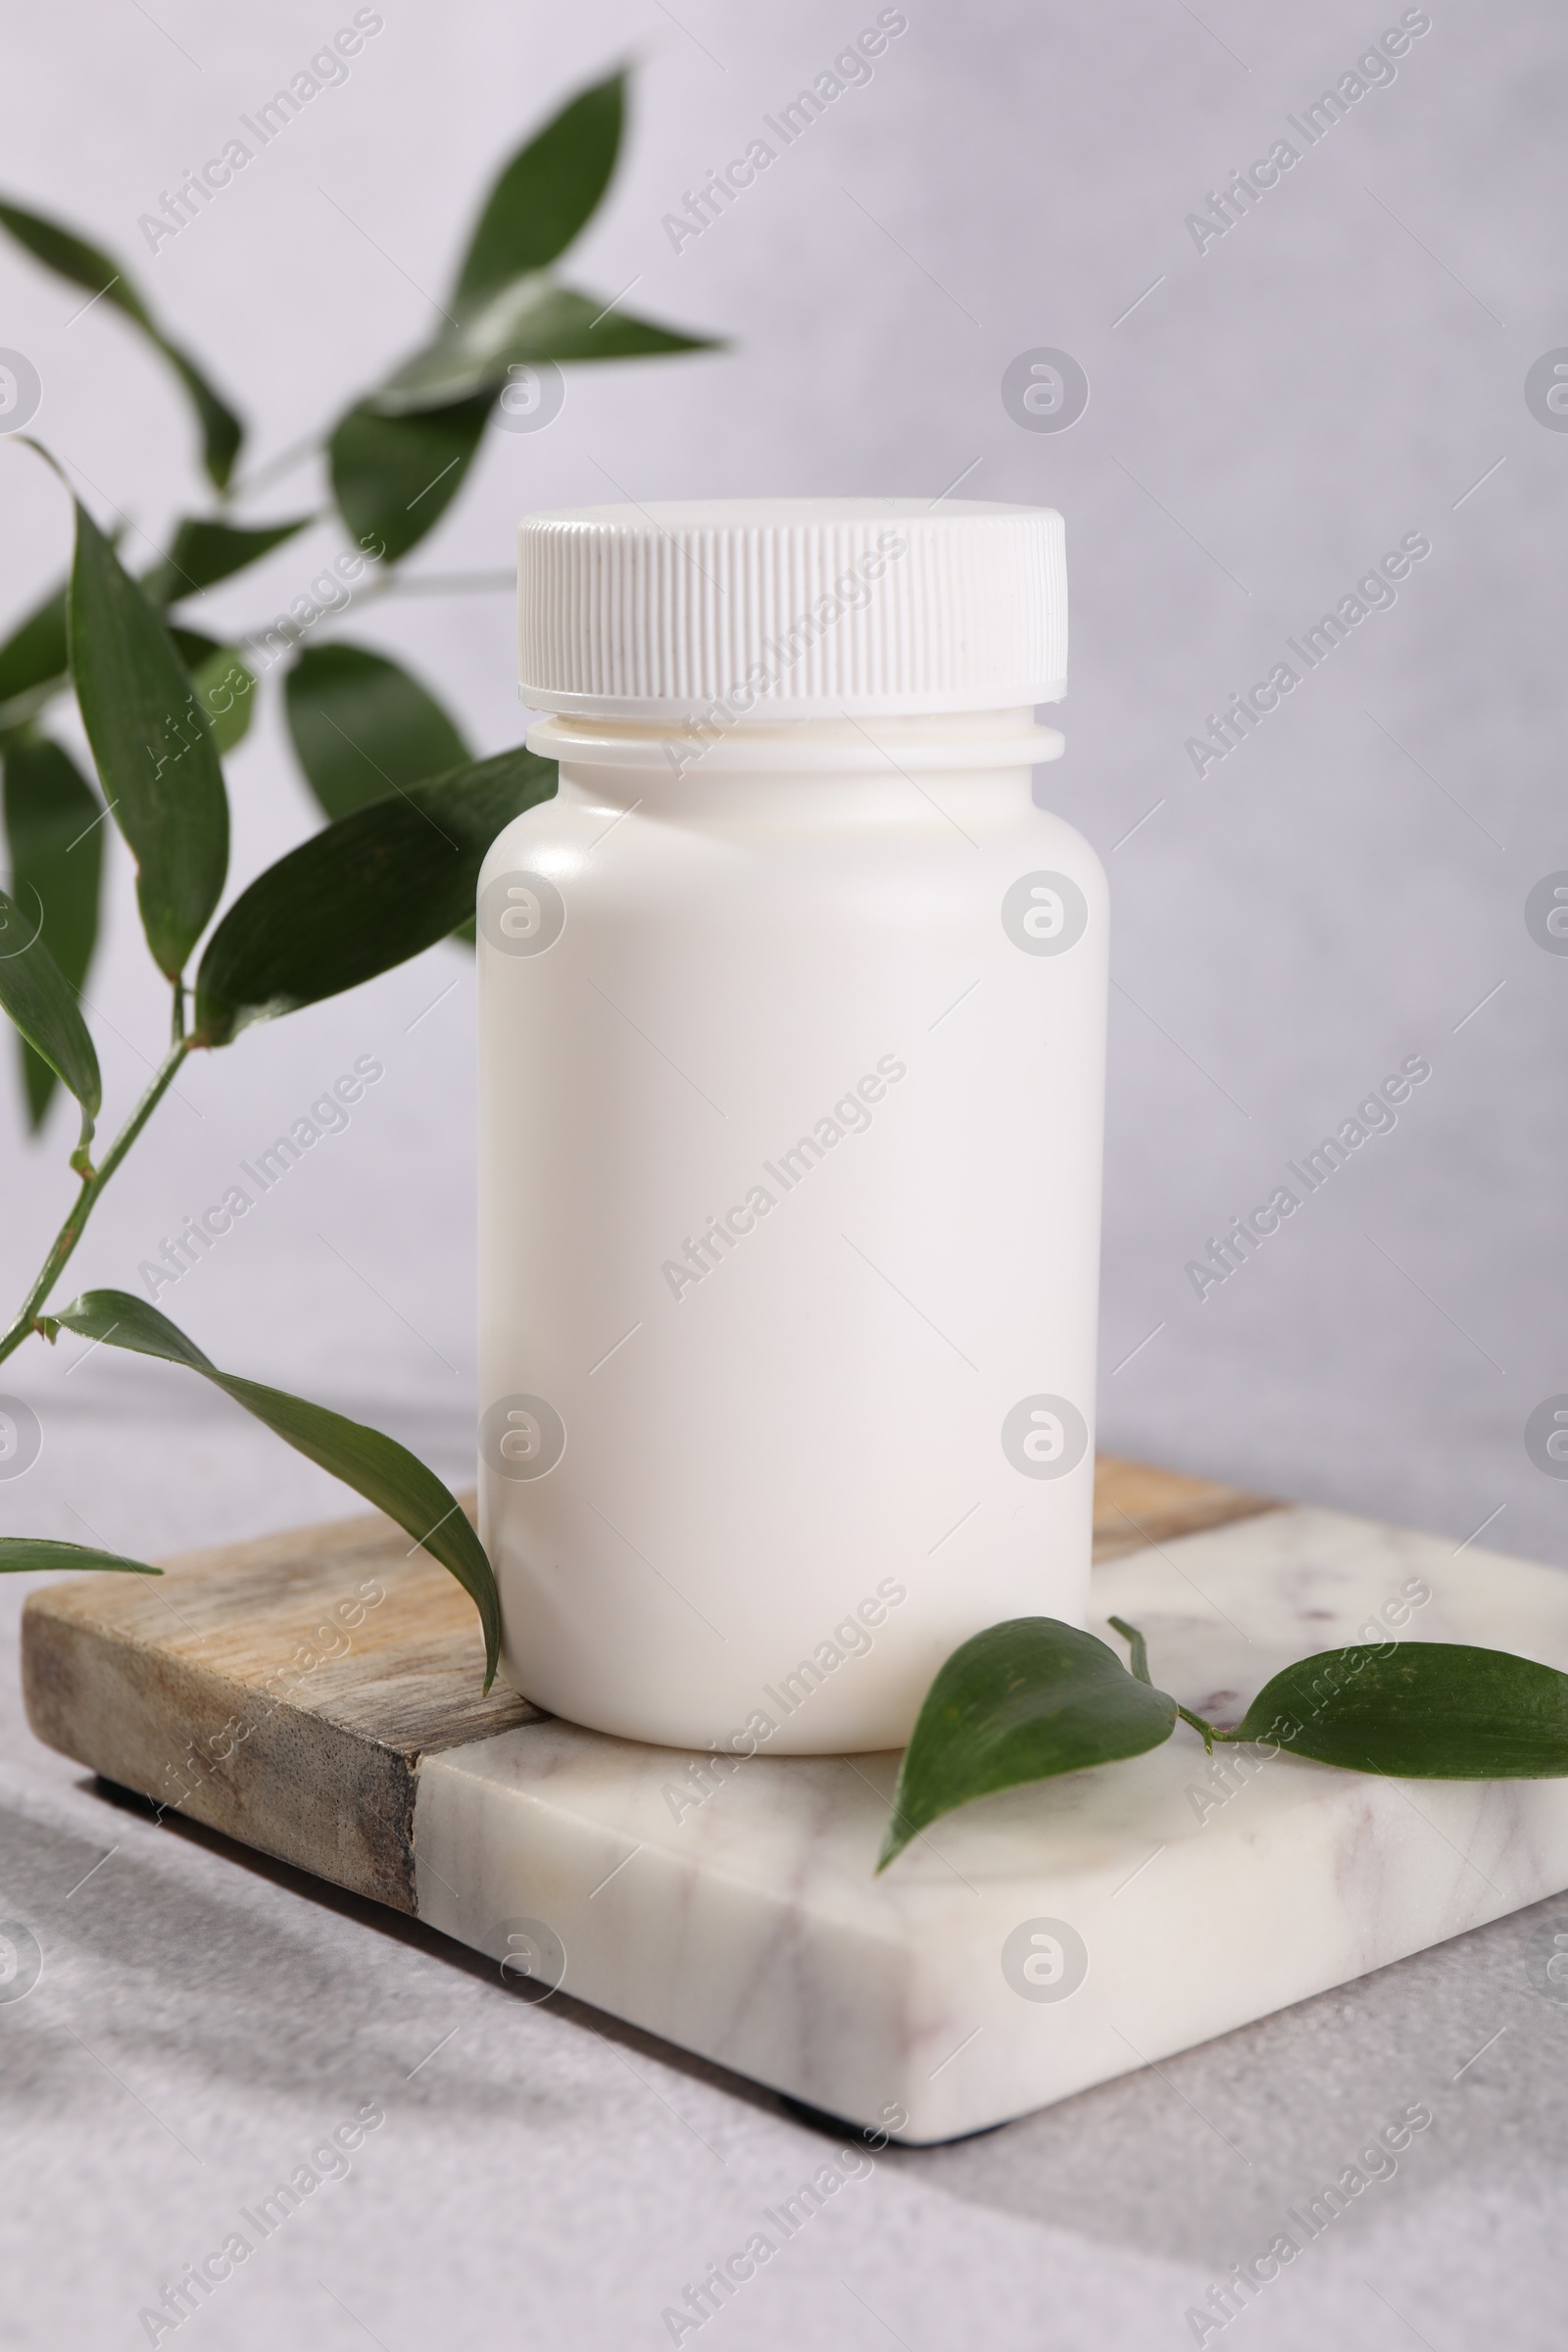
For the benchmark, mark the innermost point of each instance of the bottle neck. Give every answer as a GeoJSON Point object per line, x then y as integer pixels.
{"type": "Point", "coordinates": [715, 743]}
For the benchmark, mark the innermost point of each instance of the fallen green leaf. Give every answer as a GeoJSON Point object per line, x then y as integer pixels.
{"type": "Point", "coordinates": [1418, 1711]}
{"type": "Point", "coordinates": [1024, 1700]}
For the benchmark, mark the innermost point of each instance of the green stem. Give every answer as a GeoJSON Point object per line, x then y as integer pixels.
{"type": "Point", "coordinates": [249, 641]}
{"type": "Point", "coordinates": [1137, 1645]}
{"type": "Point", "coordinates": [274, 471]}
{"type": "Point", "coordinates": [451, 583]}
{"type": "Point", "coordinates": [26, 708]}
{"type": "Point", "coordinates": [391, 581]}
{"type": "Point", "coordinates": [1140, 1667]}
{"type": "Point", "coordinates": [70, 1232]}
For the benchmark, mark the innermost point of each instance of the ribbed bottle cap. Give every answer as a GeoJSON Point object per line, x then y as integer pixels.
{"type": "Point", "coordinates": [791, 608]}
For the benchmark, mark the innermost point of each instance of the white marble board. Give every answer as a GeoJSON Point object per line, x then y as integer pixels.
{"type": "Point", "coordinates": [1038, 1941]}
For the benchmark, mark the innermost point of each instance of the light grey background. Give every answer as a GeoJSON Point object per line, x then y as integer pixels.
{"type": "Point", "coordinates": [1266, 418]}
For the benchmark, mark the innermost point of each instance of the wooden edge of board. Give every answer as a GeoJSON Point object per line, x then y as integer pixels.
{"type": "Point", "coordinates": [1135, 1505]}
{"type": "Point", "coordinates": [282, 1691]}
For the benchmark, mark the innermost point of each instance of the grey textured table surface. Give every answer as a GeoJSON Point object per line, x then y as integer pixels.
{"type": "Point", "coordinates": [203, 2018]}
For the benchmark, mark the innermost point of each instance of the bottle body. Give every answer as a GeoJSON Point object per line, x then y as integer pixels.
{"type": "Point", "coordinates": [791, 1076]}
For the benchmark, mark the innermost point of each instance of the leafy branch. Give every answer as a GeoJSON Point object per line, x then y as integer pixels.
{"type": "Point", "coordinates": [1032, 1700]}
{"type": "Point", "coordinates": [412, 813]}
{"type": "Point", "coordinates": [397, 458]}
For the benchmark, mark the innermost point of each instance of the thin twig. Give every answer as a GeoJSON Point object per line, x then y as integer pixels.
{"type": "Point", "coordinates": [92, 1185]}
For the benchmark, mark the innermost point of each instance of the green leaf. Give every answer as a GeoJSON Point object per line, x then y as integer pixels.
{"type": "Point", "coordinates": [21, 1553]}
{"type": "Point", "coordinates": [364, 727]}
{"type": "Point", "coordinates": [378, 886]}
{"type": "Point", "coordinates": [1024, 1700]}
{"type": "Point", "coordinates": [532, 320]}
{"type": "Point", "coordinates": [56, 844]}
{"type": "Point", "coordinates": [222, 683]}
{"type": "Point", "coordinates": [393, 477]}
{"type": "Point", "coordinates": [384, 1472]}
{"type": "Point", "coordinates": [1420, 1711]}
{"type": "Point", "coordinates": [153, 747]}
{"type": "Point", "coordinates": [547, 193]}
{"type": "Point", "coordinates": [204, 551]}
{"type": "Point", "coordinates": [42, 1003]}
{"type": "Point", "coordinates": [34, 656]}
{"type": "Point", "coordinates": [222, 433]}
{"type": "Point", "coordinates": [399, 457]}
{"type": "Point", "coordinates": [72, 258]}
{"type": "Point", "coordinates": [82, 265]}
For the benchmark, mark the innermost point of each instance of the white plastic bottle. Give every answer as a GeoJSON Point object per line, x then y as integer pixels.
{"type": "Point", "coordinates": [793, 1027]}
